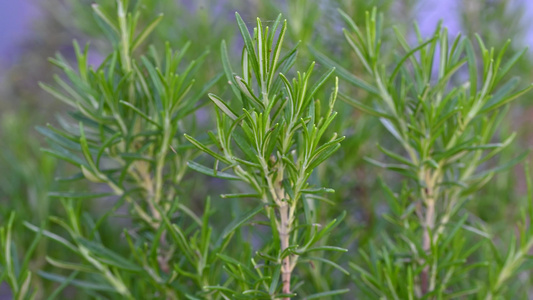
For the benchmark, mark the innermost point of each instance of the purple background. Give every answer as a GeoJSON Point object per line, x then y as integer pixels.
{"type": "Point", "coordinates": [20, 18]}
{"type": "Point", "coordinates": [17, 19]}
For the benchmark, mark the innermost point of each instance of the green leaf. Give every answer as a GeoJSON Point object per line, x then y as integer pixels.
{"type": "Point", "coordinates": [69, 266]}
{"type": "Point", "coordinates": [472, 68]}
{"type": "Point", "coordinates": [248, 44]}
{"type": "Point", "coordinates": [59, 139]}
{"type": "Point", "coordinates": [407, 56]}
{"type": "Point", "coordinates": [324, 153]}
{"type": "Point", "coordinates": [52, 236]}
{"type": "Point", "coordinates": [64, 154]}
{"type": "Point", "coordinates": [231, 196]}
{"type": "Point", "coordinates": [364, 108]}
{"type": "Point", "coordinates": [208, 171]}
{"type": "Point", "coordinates": [391, 127]}
{"type": "Point", "coordinates": [52, 91]}
{"type": "Point", "coordinates": [248, 92]}
{"type": "Point", "coordinates": [503, 167]}
{"type": "Point", "coordinates": [145, 33]}
{"type": "Point", "coordinates": [78, 195]}
{"type": "Point", "coordinates": [230, 75]}
{"type": "Point", "coordinates": [510, 63]}
{"type": "Point", "coordinates": [327, 294]}
{"type": "Point", "coordinates": [136, 156]}
{"type": "Point", "coordinates": [502, 99]}
{"type": "Point", "coordinates": [275, 280]}
{"type": "Point", "coordinates": [219, 288]}
{"type": "Point", "coordinates": [105, 18]}
{"type": "Point", "coordinates": [331, 263]}
{"type": "Point", "coordinates": [140, 113]}
{"type": "Point", "coordinates": [223, 106]}
{"type": "Point", "coordinates": [342, 72]}
{"type": "Point", "coordinates": [77, 283]}
{"type": "Point", "coordinates": [395, 156]}
{"type": "Point", "coordinates": [238, 222]}
{"type": "Point", "coordinates": [107, 256]}
{"type": "Point", "coordinates": [318, 84]}
{"type": "Point", "coordinates": [205, 149]}
{"type": "Point", "coordinates": [323, 248]}
{"type": "Point", "coordinates": [318, 190]}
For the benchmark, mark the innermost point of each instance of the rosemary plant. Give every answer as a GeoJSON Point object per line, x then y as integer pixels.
{"type": "Point", "coordinates": [445, 126]}
{"type": "Point", "coordinates": [273, 143]}
{"type": "Point", "coordinates": [129, 114]}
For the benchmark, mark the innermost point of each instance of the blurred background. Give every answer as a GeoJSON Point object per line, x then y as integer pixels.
{"type": "Point", "coordinates": [31, 31]}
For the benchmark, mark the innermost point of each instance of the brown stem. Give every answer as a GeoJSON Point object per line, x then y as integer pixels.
{"type": "Point", "coordinates": [426, 240]}
{"type": "Point", "coordinates": [284, 232]}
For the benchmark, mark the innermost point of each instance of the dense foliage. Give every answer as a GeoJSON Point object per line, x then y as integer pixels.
{"type": "Point", "coordinates": [182, 176]}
